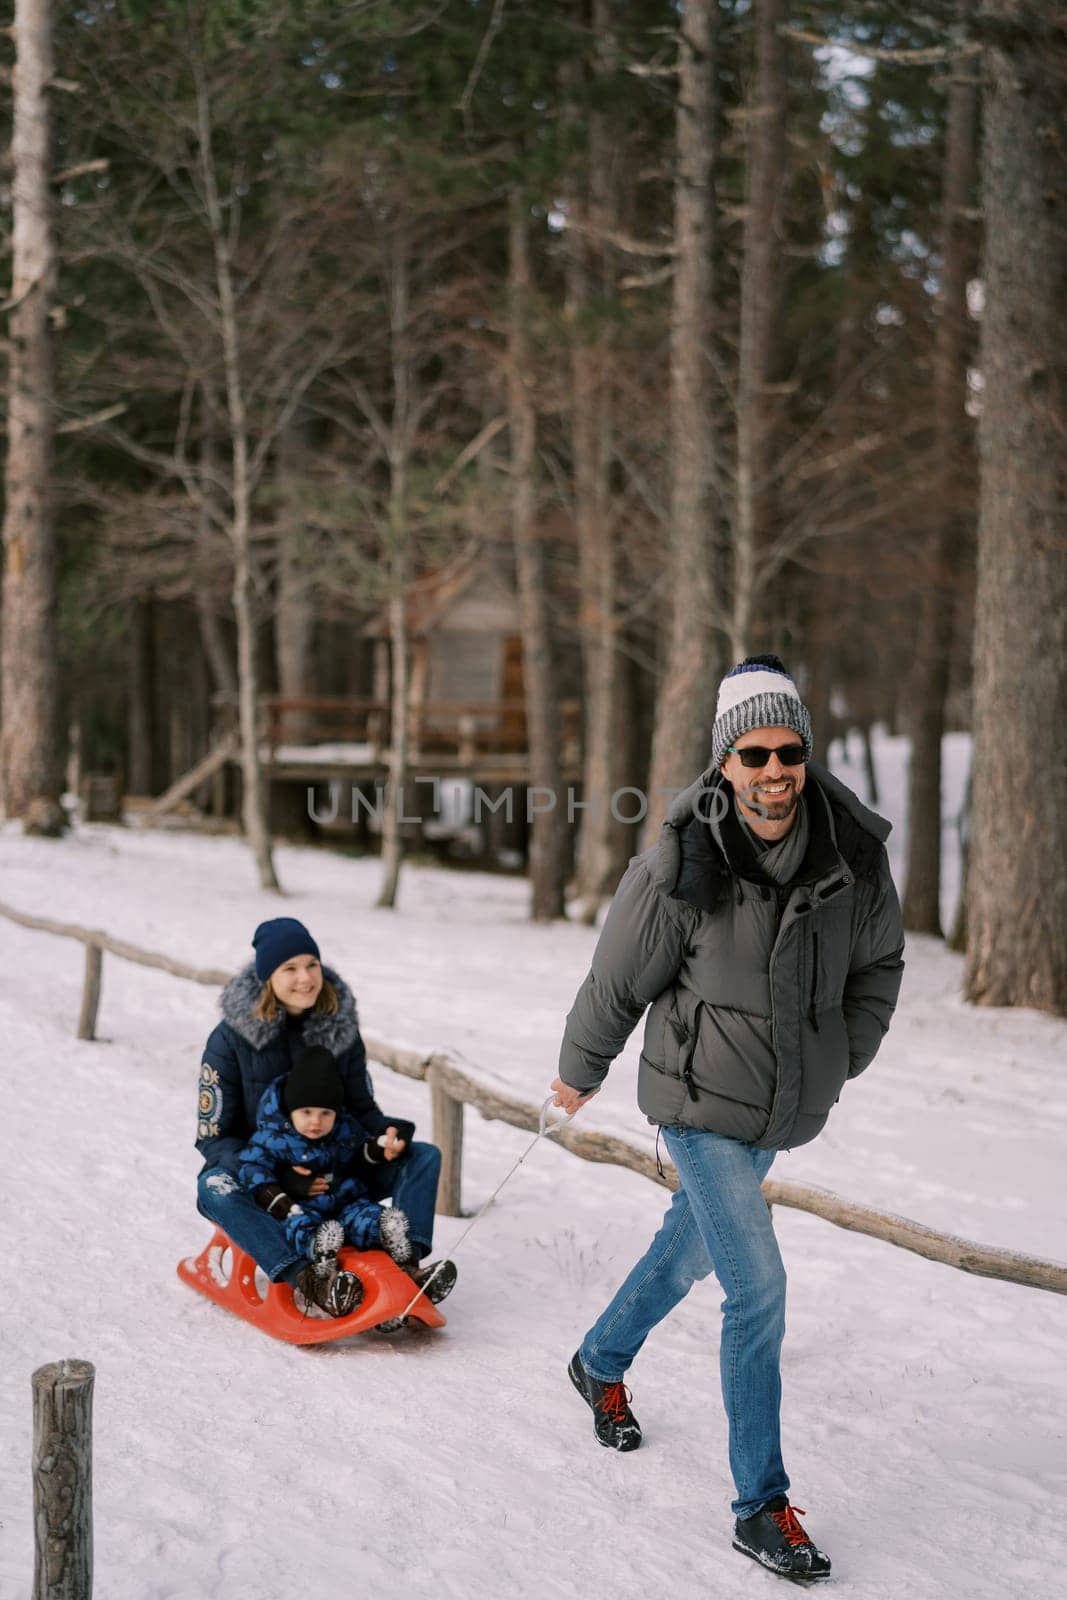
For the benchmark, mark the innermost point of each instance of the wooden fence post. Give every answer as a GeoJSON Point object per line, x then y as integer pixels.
{"type": "Point", "coordinates": [448, 1137]}
{"type": "Point", "coordinates": [94, 961]}
{"type": "Point", "coordinates": [63, 1481]}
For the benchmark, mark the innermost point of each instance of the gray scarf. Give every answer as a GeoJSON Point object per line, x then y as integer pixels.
{"type": "Point", "coordinates": [781, 859]}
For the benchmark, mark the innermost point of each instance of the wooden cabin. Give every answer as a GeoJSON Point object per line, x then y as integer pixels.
{"type": "Point", "coordinates": [466, 658]}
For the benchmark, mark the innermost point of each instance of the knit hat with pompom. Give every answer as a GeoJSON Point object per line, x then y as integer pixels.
{"type": "Point", "coordinates": [759, 693]}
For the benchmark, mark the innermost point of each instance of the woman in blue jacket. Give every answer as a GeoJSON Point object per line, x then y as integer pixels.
{"type": "Point", "coordinates": [281, 1004]}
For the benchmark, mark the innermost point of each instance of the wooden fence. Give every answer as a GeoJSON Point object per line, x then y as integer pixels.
{"type": "Point", "coordinates": [451, 1089]}
{"type": "Point", "coordinates": [63, 1481]}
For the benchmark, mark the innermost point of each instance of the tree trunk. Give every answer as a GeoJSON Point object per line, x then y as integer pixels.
{"type": "Point", "coordinates": [216, 650]}
{"type": "Point", "coordinates": [295, 612]}
{"type": "Point", "coordinates": [694, 661]}
{"type": "Point", "coordinates": [590, 279]}
{"type": "Point", "coordinates": [1017, 878]}
{"type": "Point", "coordinates": [546, 844]}
{"type": "Point", "coordinates": [398, 562]}
{"type": "Point", "coordinates": [142, 768]}
{"type": "Point", "coordinates": [254, 811]}
{"type": "Point", "coordinates": [930, 677]}
{"type": "Point", "coordinates": [29, 758]}
{"type": "Point", "coordinates": [825, 602]}
{"type": "Point", "coordinates": [253, 806]}
{"type": "Point", "coordinates": [957, 939]}
{"type": "Point", "coordinates": [765, 123]}
{"type": "Point", "coordinates": [392, 843]}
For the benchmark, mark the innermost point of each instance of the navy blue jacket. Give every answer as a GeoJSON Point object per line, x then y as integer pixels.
{"type": "Point", "coordinates": [244, 1055]}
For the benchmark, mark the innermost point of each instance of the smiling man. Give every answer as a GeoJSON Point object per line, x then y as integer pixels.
{"type": "Point", "coordinates": [763, 931]}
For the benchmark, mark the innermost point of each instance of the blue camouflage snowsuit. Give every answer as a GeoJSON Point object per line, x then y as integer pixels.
{"type": "Point", "coordinates": [276, 1146]}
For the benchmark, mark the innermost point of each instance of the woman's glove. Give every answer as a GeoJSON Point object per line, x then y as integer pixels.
{"type": "Point", "coordinates": [374, 1150]}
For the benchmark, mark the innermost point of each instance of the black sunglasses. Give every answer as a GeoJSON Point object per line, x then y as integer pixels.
{"type": "Point", "coordinates": [758, 755]}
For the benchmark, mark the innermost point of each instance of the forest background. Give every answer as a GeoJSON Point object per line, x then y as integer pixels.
{"type": "Point", "coordinates": [722, 327]}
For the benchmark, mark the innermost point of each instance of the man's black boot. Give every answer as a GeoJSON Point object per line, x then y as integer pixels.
{"type": "Point", "coordinates": [775, 1538]}
{"type": "Point", "coordinates": [613, 1422]}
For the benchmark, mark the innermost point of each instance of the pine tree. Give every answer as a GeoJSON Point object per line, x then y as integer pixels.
{"type": "Point", "coordinates": [29, 778]}
{"type": "Point", "coordinates": [1017, 909]}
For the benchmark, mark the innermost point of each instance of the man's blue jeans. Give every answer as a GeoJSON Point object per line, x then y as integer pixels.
{"type": "Point", "coordinates": [411, 1181]}
{"type": "Point", "coordinates": [718, 1221]}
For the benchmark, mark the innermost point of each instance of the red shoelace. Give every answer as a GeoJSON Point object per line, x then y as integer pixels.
{"type": "Point", "coordinates": [790, 1528]}
{"type": "Point", "coordinates": [613, 1401]}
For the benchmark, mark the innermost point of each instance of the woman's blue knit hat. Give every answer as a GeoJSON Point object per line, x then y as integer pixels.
{"type": "Point", "coordinates": [280, 940]}
{"type": "Point", "coordinates": [758, 694]}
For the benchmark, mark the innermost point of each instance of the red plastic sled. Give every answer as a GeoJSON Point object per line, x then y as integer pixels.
{"type": "Point", "coordinates": [387, 1291]}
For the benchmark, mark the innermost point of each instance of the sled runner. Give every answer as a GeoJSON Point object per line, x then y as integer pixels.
{"type": "Point", "coordinates": [387, 1292]}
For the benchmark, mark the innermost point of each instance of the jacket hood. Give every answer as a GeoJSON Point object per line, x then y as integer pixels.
{"type": "Point", "coordinates": [857, 831]}
{"type": "Point", "coordinates": [269, 1114]}
{"type": "Point", "coordinates": [839, 794]}
{"type": "Point", "coordinates": [335, 1033]}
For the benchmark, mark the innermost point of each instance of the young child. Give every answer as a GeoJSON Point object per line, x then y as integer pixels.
{"type": "Point", "coordinates": [303, 1166]}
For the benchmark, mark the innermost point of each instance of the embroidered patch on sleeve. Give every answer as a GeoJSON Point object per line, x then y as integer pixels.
{"type": "Point", "coordinates": [210, 1105]}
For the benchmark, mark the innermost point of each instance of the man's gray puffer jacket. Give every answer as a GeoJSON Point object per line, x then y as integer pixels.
{"type": "Point", "coordinates": [764, 999]}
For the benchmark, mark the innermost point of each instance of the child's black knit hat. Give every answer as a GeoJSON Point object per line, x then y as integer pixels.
{"type": "Point", "coordinates": [314, 1081]}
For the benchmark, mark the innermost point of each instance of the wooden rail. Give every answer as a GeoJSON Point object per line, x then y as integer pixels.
{"type": "Point", "coordinates": [983, 1260]}
{"type": "Point", "coordinates": [466, 728]}
{"type": "Point", "coordinates": [451, 1089]}
{"type": "Point", "coordinates": [96, 941]}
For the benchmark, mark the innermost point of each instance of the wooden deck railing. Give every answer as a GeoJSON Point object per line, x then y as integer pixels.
{"type": "Point", "coordinates": [452, 1088]}
{"type": "Point", "coordinates": [460, 729]}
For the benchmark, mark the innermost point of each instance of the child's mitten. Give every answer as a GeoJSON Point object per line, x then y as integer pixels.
{"type": "Point", "coordinates": [297, 1183]}
{"type": "Point", "coordinates": [273, 1198]}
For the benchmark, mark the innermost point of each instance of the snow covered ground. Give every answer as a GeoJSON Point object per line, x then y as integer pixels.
{"type": "Point", "coordinates": [924, 1418]}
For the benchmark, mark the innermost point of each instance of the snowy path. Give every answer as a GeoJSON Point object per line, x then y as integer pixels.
{"type": "Point", "coordinates": [924, 1417]}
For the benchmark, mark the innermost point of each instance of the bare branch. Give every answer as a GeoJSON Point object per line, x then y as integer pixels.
{"type": "Point", "coordinates": [362, 398]}
{"type": "Point", "coordinates": [496, 22]}
{"type": "Point", "coordinates": [647, 280]}
{"type": "Point", "coordinates": [81, 424]}
{"type": "Point", "coordinates": [297, 390]}
{"type": "Point", "coordinates": [469, 451]}
{"type": "Point", "coordinates": [907, 58]}
{"type": "Point", "coordinates": [101, 164]}
{"type": "Point", "coordinates": [621, 241]}
{"type": "Point", "coordinates": [14, 303]}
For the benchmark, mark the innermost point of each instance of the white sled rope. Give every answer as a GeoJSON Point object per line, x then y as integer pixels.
{"type": "Point", "coordinates": [543, 1129]}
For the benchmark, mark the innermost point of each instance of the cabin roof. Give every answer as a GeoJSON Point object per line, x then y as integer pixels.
{"type": "Point", "coordinates": [434, 595]}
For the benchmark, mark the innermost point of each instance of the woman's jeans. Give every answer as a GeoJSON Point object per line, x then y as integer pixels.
{"type": "Point", "coordinates": [411, 1182]}
{"type": "Point", "coordinates": [718, 1221]}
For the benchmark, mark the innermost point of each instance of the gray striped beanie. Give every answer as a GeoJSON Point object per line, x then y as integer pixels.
{"type": "Point", "coordinates": [758, 694]}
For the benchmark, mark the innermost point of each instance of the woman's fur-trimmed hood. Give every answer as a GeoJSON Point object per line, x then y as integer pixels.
{"type": "Point", "coordinates": [335, 1033]}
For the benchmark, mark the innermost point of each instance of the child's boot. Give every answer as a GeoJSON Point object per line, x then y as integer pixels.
{"type": "Point", "coordinates": [322, 1283]}
{"type": "Point", "coordinates": [395, 1231]}
{"type": "Point", "coordinates": [329, 1237]}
